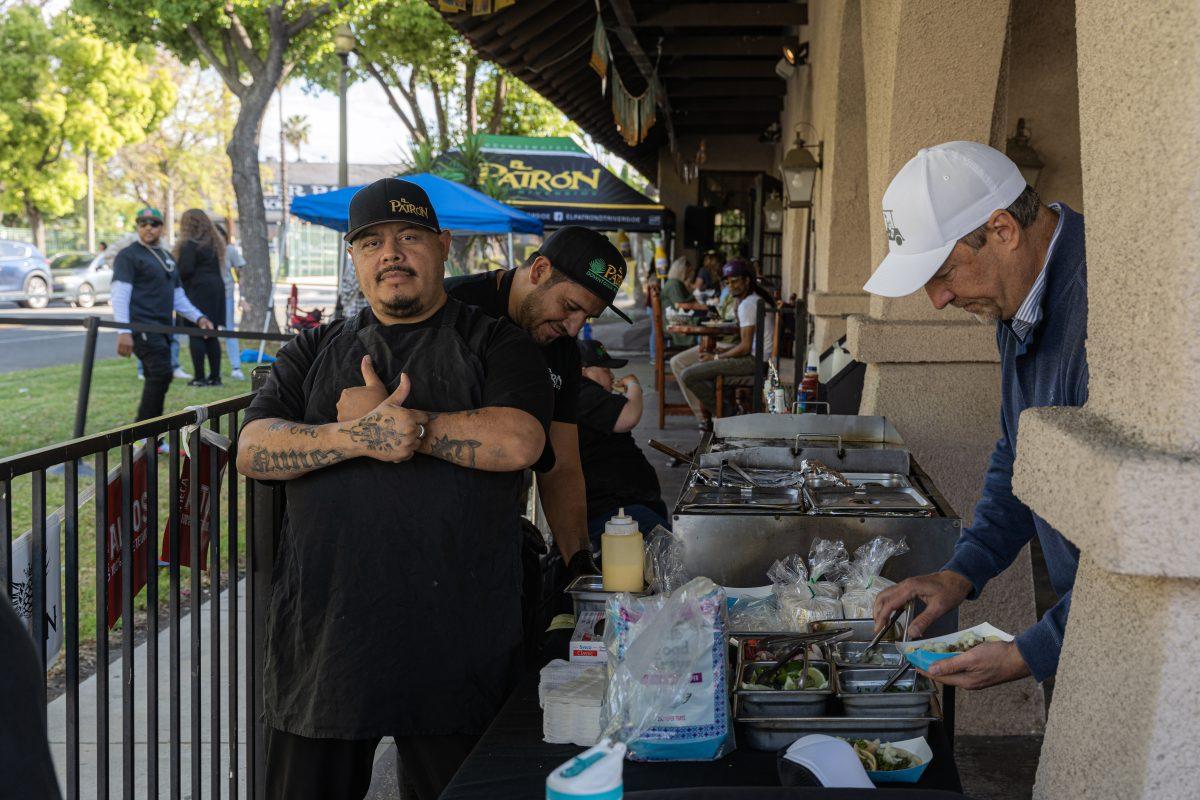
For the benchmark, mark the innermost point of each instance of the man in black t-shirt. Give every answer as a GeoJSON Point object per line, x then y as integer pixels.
{"type": "Point", "coordinates": [401, 539]}
{"type": "Point", "coordinates": [574, 275]}
{"type": "Point", "coordinates": [615, 471]}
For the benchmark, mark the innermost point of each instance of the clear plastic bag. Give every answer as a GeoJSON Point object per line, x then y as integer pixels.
{"type": "Point", "coordinates": [799, 602]}
{"type": "Point", "coordinates": [827, 565]}
{"type": "Point", "coordinates": [667, 693]}
{"type": "Point", "coordinates": [869, 560]}
{"type": "Point", "coordinates": [755, 614]}
{"type": "Point", "coordinates": [664, 561]}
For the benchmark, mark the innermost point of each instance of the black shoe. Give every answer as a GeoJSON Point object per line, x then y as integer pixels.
{"type": "Point", "coordinates": [197, 382]}
{"type": "Point", "coordinates": [213, 382]}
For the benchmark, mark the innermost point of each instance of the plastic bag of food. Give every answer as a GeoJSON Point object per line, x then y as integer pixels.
{"type": "Point", "coordinates": [667, 695]}
{"type": "Point", "coordinates": [827, 565]}
{"type": "Point", "coordinates": [755, 614]}
{"type": "Point", "coordinates": [863, 581]}
{"type": "Point", "coordinates": [799, 602]}
{"type": "Point", "coordinates": [664, 561]}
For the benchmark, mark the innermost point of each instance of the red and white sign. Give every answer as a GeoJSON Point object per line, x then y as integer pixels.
{"type": "Point", "coordinates": [141, 500]}
{"type": "Point", "coordinates": [211, 445]}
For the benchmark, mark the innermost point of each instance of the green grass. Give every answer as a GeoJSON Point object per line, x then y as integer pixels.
{"type": "Point", "coordinates": [37, 408]}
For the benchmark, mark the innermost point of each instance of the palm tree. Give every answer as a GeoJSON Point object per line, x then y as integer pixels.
{"type": "Point", "coordinates": [295, 131]}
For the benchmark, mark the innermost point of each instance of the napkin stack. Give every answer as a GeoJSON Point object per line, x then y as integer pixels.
{"type": "Point", "coordinates": [571, 709]}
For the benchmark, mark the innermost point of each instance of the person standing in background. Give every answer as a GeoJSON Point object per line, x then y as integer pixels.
{"type": "Point", "coordinates": [199, 253]}
{"type": "Point", "coordinates": [234, 261]}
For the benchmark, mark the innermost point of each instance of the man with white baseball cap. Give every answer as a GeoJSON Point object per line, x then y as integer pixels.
{"type": "Point", "coordinates": [962, 224]}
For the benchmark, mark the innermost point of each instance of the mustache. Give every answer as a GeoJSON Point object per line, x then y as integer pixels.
{"type": "Point", "coordinates": [379, 276]}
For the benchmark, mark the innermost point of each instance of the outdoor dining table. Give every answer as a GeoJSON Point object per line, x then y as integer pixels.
{"type": "Point", "coordinates": [708, 333]}
{"type": "Point", "coordinates": [511, 761]}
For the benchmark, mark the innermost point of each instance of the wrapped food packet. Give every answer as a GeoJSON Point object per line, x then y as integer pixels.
{"type": "Point", "coordinates": [799, 603]}
{"type": "Point", "coordinates": [755, 614]}
{"type": "Point", "coordinates": [863, 581]}
{"type": "Point", "coordinates": [827, 565]}
{"type": "Point", "coordinates": [664, 561]}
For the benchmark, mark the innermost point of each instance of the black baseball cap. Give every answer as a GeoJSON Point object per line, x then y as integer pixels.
{"type": "Point", "coordinates": [390, 200]}
{"type": "Point", "coordinates": [593, 354]}
{"type": "Point", "coordinates": [588, 258]}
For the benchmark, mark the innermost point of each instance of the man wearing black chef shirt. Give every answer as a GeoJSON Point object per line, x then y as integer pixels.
{"type": "Point", "coordinates": [395, 606]}
{"type": "Point", "coordinates": [574, 275]}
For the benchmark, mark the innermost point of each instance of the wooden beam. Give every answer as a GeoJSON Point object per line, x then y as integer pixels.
{"type": "Point", "coordinates": [545, 25]}
{"type": "Point", "coordinates": [723, 126]}
{"type": "Point", "coordinates": [724, 45]}
{"type": "Point", "coordinates": [570, 30]}
{"type": "Point", "coordinates": [625, 22]}
{"type": "Point", "coordinates": [518, 15]}
{"type": "Point", "coordinates": [721, 15]}
{"type": "Point", "coordinates": [552, 60]}
{"type": "Point", "coordinates": [728, 88]}
{"type": "Point", "coordinates": [704, 105]}
{"type": "Point", "coordinates": [749, 68]}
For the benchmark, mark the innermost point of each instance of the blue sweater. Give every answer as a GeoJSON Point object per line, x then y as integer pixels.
{"type": "Point", "coordinates": [1049, 368]}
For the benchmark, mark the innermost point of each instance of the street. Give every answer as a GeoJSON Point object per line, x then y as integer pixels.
{"type": "Point", "coordinates": [33, 345]}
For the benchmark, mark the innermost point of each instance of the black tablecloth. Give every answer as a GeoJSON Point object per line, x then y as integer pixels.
{"type": "Point", "coordinates": [512, 761]}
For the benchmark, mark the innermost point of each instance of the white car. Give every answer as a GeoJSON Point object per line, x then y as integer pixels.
{"type": "Point", "coordinates": [80, 278]}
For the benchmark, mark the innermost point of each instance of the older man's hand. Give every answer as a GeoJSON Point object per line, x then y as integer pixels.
{"type": "Point", "coordinates": [940, 591]}
{"type": "Point", "coordinates": [389, 432]}
{"type": "Point", "coordinates": [360, 400]}
{"type": "Point", "coordinates": [984, 665]}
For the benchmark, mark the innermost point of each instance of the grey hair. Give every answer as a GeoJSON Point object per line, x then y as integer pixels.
{"type": "Point", "coordinates": [1024, 210]}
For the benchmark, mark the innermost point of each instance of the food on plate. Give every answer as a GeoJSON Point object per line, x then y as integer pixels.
{"type": "Point", "coordinates": [960, 645]}
{"type": "Point", "coordinates": [788, 679]}
{"type": "Point", "coordinates": [882, 757]}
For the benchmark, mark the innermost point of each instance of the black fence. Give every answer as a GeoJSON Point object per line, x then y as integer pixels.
{"type": "Point", "coordinates": [231, 770]}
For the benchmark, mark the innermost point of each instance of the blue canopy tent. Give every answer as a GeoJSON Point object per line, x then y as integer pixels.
{"type": "Point", "coordinates": [460, 209]}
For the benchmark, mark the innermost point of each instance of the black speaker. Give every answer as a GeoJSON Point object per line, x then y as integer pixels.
{"type": "Point", "coordinates": [698, 225]}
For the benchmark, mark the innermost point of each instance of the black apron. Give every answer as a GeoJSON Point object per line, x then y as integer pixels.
{"type": "Point", "coordinates": [396, 592]}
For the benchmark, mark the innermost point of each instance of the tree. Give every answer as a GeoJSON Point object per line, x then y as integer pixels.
{"type": "Point", "coordinates": [296, 129]}
{"type": "Point", "coordinates": [65, 91]}
{"type": "Point", "coordinates": [253, 45]}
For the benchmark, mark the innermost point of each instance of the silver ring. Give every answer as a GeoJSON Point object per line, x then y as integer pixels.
{"type": "Point", "coordinates": [420, 431]}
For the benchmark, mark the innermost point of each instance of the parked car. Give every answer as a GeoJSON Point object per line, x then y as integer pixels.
{"type": "Point", "coordinates": [24, 275]}
{"type": "Point", "coordinates": [81, 278]}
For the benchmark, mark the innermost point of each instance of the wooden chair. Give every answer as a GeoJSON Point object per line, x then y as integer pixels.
{"type": "Point", "coordinates": [745, 383]}
{"type": "Point", "coordinates": [662, 373]}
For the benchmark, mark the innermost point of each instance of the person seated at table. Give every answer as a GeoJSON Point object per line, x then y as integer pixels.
{"type": "Point", "coordinates": [697, 371]}
{"type": "Point", "coordinates": [615, 472]}
{"type": "Point", "coordinates": [678, 299]}
{"type": "Point", "coordinates": [708, 276]}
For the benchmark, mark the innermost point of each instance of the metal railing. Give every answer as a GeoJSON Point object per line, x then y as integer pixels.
{"type": "Point", "coordinates": [143, 512]}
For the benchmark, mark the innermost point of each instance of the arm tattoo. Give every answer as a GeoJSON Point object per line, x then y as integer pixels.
{"type": "Point", "coordinates": [264, 461]}
{"type": "Point", "coordinates": [291, 427]}
{"type": "Point", "coordinates": [456, 451]}
{"type": "Point", "coordinates": [376, 432]}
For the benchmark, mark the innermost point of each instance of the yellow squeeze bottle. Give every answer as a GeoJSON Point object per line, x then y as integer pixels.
{"type": "Point", "coordinates": [621, 554]}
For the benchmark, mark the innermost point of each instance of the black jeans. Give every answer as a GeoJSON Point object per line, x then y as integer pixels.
{"type": "Point", "coordinates": [299, 768]}
{"type": "Point", "coordinates": [154, 351]}
{"type": "Point", "coordinates": [202, 346]}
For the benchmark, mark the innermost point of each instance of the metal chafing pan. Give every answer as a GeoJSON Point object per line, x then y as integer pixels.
{"type": "Point", "coordinates": [879, 480]}
{"type": "Point", "coordinates": [758, 498]}
{"type": "Point", "coordinates": [780, 703]}
{"type": "Point", "coordinates": [859, 500]}
{"type": "Point", "coordinates": [587, 592]}
{"type": "Point", "coordinates": [858, 689]}
{"type": "Point", "coordinates": [861, 630]}
{"type": "Point", "coordinates": [775, 733]}
{"type": "Point", "coordinates": [849, 654]}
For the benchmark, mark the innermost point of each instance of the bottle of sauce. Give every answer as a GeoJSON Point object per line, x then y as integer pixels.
{"type": "Point", "coordinates": [621, 554]}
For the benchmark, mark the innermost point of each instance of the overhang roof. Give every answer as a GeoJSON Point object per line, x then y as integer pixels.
{"type": "Point", "coordinates": [716, 62]}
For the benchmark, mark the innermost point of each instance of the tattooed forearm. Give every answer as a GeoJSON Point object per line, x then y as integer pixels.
{"type": "Point", "coordinates": [264, 461]}
{"type": "Point", "coordinates": [292, 427]}
{"type": "Point", "coordinates": [456, 451]}
{"type": "Point", "coordinates": [376, 432]}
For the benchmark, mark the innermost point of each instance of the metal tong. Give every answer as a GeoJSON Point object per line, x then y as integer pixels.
{"type": "Point", "coordinates": [806, 641]}
{"type": "Point", "coordinates": [878, 637]}
{"type": "Point", "coordinates": [895, 676]}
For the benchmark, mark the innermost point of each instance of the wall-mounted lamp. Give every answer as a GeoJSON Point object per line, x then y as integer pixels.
{"type": "Point", "coordinates": [773, 214]}
{"type": "Point", "coordinates": [799, 170]}
{"type": "Point", "coordinates": [343, 40]}
{"type": "Point", "coordinates": [796, 53]}
{"type": "Point", "coordinates": [1023, 155]}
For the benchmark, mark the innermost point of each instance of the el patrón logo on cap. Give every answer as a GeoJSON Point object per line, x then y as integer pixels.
{"type": "Point", "coordinates": [606, 274]}
{"type": "Point", "coordinates": [403, 206]}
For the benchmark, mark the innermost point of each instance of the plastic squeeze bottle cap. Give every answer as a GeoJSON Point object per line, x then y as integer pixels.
{"type": "Point", "coordinates": [595, 774]}
{"type": "Point", "coordinates": [621, 524]}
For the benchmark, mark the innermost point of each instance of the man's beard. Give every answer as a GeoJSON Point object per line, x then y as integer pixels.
{"type": "Point", "coordinates": [529, 312]}
{"type": "Point", "coordinates": [403, 306]}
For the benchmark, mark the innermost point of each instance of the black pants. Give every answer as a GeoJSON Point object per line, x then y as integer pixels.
{"type": "Point", "coordinates": [154, 351]}
{"type": "Point", "coordinates": [299, 768]}
{"type": "Point", "coordinates": [202, 346]}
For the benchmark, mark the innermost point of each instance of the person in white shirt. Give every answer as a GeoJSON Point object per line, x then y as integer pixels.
{"type": "Point", "coordinates": [697, 372]}
{"type": "Point", "coordinates": [234, 261]}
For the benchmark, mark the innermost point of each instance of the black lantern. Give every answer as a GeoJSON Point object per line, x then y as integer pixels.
{"type": "Point", "coordinates": [799, 169]}
{"type": "Point", "coordinates": [773, 214]}
{"type": "Point", "coordinates": [1023, 155]}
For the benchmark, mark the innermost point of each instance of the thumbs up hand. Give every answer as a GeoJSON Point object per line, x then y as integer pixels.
{"type": "Point", "coordinates": [387, 432]}
{"type": "Point", "coordinates": [359, 400]}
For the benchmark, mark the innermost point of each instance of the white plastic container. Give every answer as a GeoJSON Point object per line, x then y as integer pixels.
{"type": "Point", "coordinates": [622, 559]}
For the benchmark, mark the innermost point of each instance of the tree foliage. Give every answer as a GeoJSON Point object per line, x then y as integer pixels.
{"type": "Point", "coordinates": [66, 91]}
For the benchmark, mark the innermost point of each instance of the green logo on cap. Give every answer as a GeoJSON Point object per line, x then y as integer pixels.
{"type": "Point", "coordinates": [605, 274]}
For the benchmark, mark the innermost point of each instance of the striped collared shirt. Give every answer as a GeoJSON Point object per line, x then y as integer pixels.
{"type": "Point", "coordinates": [1030, 312]}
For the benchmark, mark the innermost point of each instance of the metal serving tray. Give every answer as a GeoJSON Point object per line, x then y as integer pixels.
{"type": "Point", "coordinates": [758, 498]}
{"type": "Point", "coordinates": [849, 654]}
{"type": "Point", "coordinates": [871, 480]}
{"type": "Point", "coordinates": [861, 630]}
{"type": "Point", "coordinates": [775, 733]}
{"type": "Point", "coordinates": [587, 592]}
{"type": "Point", "coordinates": [780, 703]}
{"type": "Point", "coordinates": [859, 501]}
{"type": "Point", "coordinates": [855, 687]}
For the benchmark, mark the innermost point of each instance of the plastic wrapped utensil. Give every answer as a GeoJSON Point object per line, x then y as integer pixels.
{"type": "Point", "coordinates": [799, 603]}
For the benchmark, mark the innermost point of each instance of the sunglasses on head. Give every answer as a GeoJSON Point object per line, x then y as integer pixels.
{"type": "Point", "coordinates": [152, 223]}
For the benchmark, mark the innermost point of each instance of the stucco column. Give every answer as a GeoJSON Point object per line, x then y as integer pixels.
{"type": "Point", "coordinates": [1120, 477]}
{"type": "Point", "coordinates": [935, 72]}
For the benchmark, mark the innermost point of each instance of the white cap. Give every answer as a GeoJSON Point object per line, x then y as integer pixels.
{"type": "Point", "coordinates": [938, 197]}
